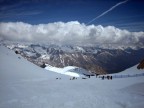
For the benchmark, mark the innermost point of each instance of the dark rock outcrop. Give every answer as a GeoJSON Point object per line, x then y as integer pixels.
{"type": "Point", "coordinates": [17, 52]}
{"type": "Point", "coordinates": [43, 65]}
{"type": "Point", "coordinates": [141, 65]}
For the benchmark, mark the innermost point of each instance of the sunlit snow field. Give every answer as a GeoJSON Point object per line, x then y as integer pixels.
{"type": "Point", "coordinates": [24, 85]}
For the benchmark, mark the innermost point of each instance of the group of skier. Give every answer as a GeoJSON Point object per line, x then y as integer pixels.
{"type": "Point", "coordinates": [88, 76]}
{"type": "Point", "coordinates": [106, 77]}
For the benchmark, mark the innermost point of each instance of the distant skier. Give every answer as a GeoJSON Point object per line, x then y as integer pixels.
{"type": "Point", "coordinates": [97, 75]}
{"type": "Point", "coordinates": [102, 77]}
{"type": "Point", "coordinates": [111, 77]}
{"type": "Point", "coordinates": [88, 76]}
{"type": "Point", "coordinates": [108, 77]}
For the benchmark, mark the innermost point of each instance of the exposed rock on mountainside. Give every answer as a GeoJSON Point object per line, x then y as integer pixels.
{"type": "Point", "coordinates": [141, 65]}
{"type": "Point", "coordinates": [92, 58]}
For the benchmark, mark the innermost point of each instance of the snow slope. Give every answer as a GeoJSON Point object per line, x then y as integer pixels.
{"type": "Point", "coordinates": [24, 85]}
{"type": "Point", "coordinates": [69, 70]}
{"type": "Point", "coordinates": [131, 71]}
{"type": "Point", "coordinates": [62, 71]}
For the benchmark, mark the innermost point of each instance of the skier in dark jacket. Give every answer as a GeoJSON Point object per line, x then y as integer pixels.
{"type": "Point", "coordinates": [102, 77]}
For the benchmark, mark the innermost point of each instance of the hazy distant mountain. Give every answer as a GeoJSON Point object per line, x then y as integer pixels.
{"type": "Point", "coordinates": [97, 59]}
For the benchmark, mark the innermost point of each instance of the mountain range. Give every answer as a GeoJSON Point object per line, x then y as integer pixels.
{"type": "Point", "coordinates": [95, 59]}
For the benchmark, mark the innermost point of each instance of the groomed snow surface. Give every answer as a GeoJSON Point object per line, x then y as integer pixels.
{"type": "Point", "coordinates": [24, 85]}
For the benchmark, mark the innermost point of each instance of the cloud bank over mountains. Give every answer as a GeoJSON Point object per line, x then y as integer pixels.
{"type": "Point", "coordinates": [69, 33]}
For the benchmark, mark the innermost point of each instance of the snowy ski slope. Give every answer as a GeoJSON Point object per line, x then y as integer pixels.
{"type": "Point", "coordinates": [24, 85]}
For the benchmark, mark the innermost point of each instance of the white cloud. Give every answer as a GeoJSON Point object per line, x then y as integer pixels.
{"type": "Point", "coordinates": [69, 33]}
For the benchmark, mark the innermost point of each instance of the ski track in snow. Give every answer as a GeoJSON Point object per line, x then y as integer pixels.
{"type": "Point", "coordinates": [24, 85]}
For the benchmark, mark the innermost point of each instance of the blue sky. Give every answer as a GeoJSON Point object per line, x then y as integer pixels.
{"type": "Point", "coordinates": [129, 15]}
